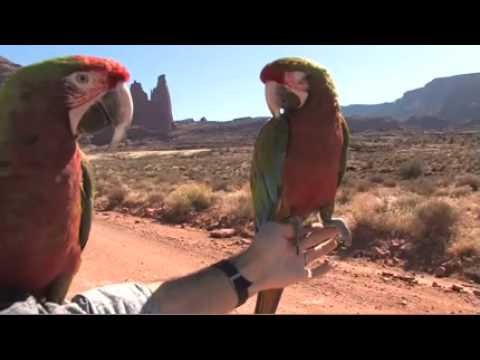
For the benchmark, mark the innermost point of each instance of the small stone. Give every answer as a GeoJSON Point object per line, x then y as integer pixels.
{"type": "Point", "coordinates": [404, 302]}
{"type": "Point", "coordinates": [476, 293]}
{"type": "Point", "coordinates": [379, 252]}
{"type": "Point", "coordinates": [137, 221]}
{"type": "Point", "coordinates": [440, 271]}
{"type": "Point", "coordinates": [245, 241]}
{"type": "Point", "coordinates": [396, 243]}
{"type": "Point", "coordinates": [435, 284]}
{"type": "Point", "coordinates": [222, 233]}
{"type": "Point", "coordinates": [150, 212]}
{"type": "Point", "coordinates": [406, 248]}
{"type": "Point", "coordinates": [389, 262]}
{"type": "Point", "coordinates": [457, 288]}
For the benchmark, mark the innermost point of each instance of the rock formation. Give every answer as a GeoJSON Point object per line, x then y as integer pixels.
{"type": "Point", "coordinates": [455, 99]}
{"type": "Point", "coordinates": [6, 68]}
{"type": "Point", "coordinates": [151, 117]}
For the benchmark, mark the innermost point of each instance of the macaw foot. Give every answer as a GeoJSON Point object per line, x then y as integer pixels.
{"type": "Point", "coordinates": [297, 223]}
{"type": "Point", "coordinates": [345, 237]}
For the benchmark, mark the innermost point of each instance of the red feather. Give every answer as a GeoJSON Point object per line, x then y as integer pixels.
{"type": "Point", "coordinates": [118, 72]}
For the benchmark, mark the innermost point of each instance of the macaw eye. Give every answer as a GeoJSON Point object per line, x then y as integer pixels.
{"type": "Point", "coordinates": [82, 78]}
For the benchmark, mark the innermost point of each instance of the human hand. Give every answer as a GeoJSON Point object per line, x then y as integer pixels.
{"type": "Point", "coordinates": [272, 262]}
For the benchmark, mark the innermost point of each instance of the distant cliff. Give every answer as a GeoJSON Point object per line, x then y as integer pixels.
{"type": "Point", "coordinates": [6, 68]}
{"type": "Point", "coordinates": [455, 99]}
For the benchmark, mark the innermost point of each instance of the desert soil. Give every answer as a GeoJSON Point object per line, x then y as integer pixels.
{"type": "Point", "coordinates": [123, 248]}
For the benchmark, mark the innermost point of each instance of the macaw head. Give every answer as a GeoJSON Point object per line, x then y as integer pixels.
{"type": "Point", "coordinates": [290, 83]}
{"type": "Point", "coordinates": [45, 106]}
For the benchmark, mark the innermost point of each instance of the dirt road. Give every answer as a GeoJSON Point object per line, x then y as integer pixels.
{"type": "Point", "coordinates": [124, 248]}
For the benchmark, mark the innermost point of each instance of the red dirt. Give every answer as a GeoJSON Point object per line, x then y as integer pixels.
{"type": "Point", "coordinates": [124, 248]}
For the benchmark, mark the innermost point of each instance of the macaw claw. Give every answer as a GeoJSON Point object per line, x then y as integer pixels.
{"type": "Point", "coordinates": [297, 223]}
{"type": "Point", "coordinates": [345, 237]}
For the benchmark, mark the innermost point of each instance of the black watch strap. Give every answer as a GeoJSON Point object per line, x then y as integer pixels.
{"type": "Point", "coordinates": [240, 284]}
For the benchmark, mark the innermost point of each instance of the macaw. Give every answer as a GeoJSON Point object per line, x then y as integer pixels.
{"type": "Point", "coordinates": [300, 154]}
{"type": "Point", "coordinates": [46, 184]}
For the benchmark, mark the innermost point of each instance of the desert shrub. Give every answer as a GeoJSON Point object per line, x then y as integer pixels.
{"type": "Point", "coordinates": [377, 179]}
{"type": "Point", "coordinates": [345, 195]}
{"type": "Point", "coordinates": [185, 199]}
{"type": "Point", "coordinates": [411, 169]}
{"type": "Point", "coordinates": [238, 205]}
{"type": "Point", "coordinates": [115, 197]}
{"type": "Point", "coordinates": [154, 199]}
{"type": "Point", "coordinates": [432, 228]}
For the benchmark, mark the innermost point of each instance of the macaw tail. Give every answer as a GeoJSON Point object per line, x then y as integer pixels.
{"type": "Point", "coordinates": [267, 301]}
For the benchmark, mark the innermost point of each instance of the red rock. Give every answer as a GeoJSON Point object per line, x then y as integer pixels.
{"type": "Point", "coordinates": [396, 243]}
{"type": "Point", "coordinates": [440, 271]}
{"type": "Point", "coordinates": [222, 233]}
{"type": "Point", "coordinates": [379, 252]}
{"type": "Point", "coordinates": [151, 212]}
{"type": "Point", "coordinates": [457, 288]}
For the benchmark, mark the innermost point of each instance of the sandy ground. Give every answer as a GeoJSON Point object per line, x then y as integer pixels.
{"type": "Point", "coordinates": [124, 248]}
{"type": "Point", "coordinates": [139, 154]}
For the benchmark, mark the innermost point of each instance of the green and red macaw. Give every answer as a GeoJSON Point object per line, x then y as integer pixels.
{"type": "Point", "coordinates": [300, 154]}
{"type": "Point", "coordinates": [46, 187]}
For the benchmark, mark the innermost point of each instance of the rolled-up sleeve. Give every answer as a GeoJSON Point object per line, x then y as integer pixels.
{"type": "Point", "coordinates": [117, 299]}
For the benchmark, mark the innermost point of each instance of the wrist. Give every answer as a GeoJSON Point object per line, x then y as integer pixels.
{"type": "Point", "coordinates": [249, 269]}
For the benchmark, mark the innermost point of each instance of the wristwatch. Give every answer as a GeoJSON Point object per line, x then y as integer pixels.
{"type": "Point", "coordinates": [240, 283]}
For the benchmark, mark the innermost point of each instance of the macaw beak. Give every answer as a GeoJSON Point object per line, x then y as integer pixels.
{"type": "Point", "coordinates": [114, 109]}
{"type": "Point", "coordinates": [274, 101]}
{"type": "Point", "coordinates": [281, 97]}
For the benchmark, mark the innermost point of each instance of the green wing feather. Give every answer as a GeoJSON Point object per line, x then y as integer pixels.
{"type": "Point", "coordinates": [87, 203]}
{"type": "Point", "coordinates": [267, 169]}
{"type": "Point", "coordinates": [346, 142]}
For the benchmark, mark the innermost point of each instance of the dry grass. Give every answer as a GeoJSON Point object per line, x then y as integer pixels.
{"type": "Point", "coordinates": [368, 212]}
{"type": "Point", "coordinates": [469, 180]}
{"type": "Point", "coordinates": [432, 228]}
{"type": "Point", "coordinates": [467, 244]}
{"type": "Point", "coordinates": [180, 203]}
{"type": "Point", "coordinates": [237, 205]}
{"type": "Point", "coordinates": [116, 197]}
{"type": "Point", "coordinates": [459, 192]}
{"type": "Point", "coordinates": [429, 225]}
{"type": "Point", "coordinates": [422, 186]}
{"type": "Point", "coordinates": [390, 183]}
{"type": "Point", "coordinates": [362, 186]}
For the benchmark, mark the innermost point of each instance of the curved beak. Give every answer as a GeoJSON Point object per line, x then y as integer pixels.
{"type": "Point", "coordinates": [282, 97]}
{"type": "Point", "coordinates": [114, 109]}
{"type": "Point", "coordinates": [274, 100]}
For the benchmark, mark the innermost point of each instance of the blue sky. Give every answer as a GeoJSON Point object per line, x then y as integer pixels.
{"type": "Point", "coordinates": [222, 82]}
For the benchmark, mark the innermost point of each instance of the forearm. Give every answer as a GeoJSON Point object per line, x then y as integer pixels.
{"type": "Point", "coordinates": [271, 262]}
{"type": "Point", "coordinates": [208, 291]}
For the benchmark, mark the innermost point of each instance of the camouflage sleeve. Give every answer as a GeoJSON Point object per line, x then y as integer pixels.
{"type": "Point", "coordinates": [118, 299]}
